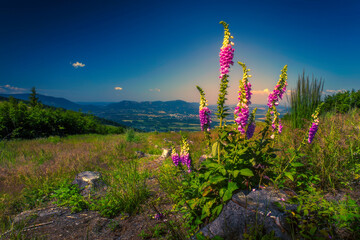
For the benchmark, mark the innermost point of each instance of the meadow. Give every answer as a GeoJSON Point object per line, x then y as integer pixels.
{"type": "Point", "coordinates": [312, 153]}
{"type": "Point", "coordinates": [34, 171]}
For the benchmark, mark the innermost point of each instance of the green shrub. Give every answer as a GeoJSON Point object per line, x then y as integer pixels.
{"type": "Point", "coordinates": [342, 102]}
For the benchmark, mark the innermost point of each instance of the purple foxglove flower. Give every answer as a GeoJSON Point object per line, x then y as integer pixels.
{"type": "Point", "coordinates": [204, 111]}
{"type": "Point", "coordinates": [175, 158]}
{"type": "Point", "coordinates": [250, 130]}
{"type": "Point", "coordinates": [204, 115]}
{"type": "Point", "coordinates": [279, 90]}
{"type": "Point", "coordinates": [241, 112]}
{"type": "Point", "coordinates": [186, 160]}
{"type": "Point", "coordinates": [280, 127]}
{"type": "Point", "coordinates": [226, 56]}
{"type": "Point", "coordinates": [314, 125]}
{"type": "Point", "coordinates": [312, 131]}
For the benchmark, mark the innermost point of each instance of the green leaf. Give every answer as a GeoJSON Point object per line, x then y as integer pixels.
{"type": "Point", "coordinates": [216, 179]}
{"type": "Point", "coordinates": [224, 135]}
{"type": "Point", "coordinates": [227, 196]}
{"type": "Point", "coordinates": [214, 150]}
{"type": "Point", "coordinates": [289, 175]}
{"type": "Point", "coordinates": [206, 208]}
{"type": "Point", "coordinates": [246, 172]}
{"type": "Point", "coordinates": [198, 221]}
{"type": "Point", "coordinates": [235, 173]}
{"type": "Point", "coordinates": [207, 174]}
{"type": "Point", "coordinates": [229, 191]}
{"type": "Point", "coordinates": [222, 191]}
{"type": "Point", "coordinates": [312, 231]}
{"type": "Point", "coordinates": [222, 170]}
{"type": "Point", "coordinates": [217, 210]}
{"type": "Point", "coordinates": [232, 186]}
{"type": "Point", "coordinates": [297, 164]}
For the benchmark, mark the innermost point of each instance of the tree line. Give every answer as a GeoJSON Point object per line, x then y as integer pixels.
{"type": "Point", "coordinates": [19, 119]}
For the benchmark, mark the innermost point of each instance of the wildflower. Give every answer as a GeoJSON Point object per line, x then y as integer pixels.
{"type": "Point", "coordinates": [205, 121]}
{"type": "Point", "coordinates": [242, 108]}
{"type": "Point", "coordinates": [184, 155]}
{"type": "Point", "coordinates": [282, 199]}
{"type": "Point", "coordinates": [159, 216]}
{"type": "Point", "coordinates": [204, 112]}
{"type": "Point", "coordinates": [251, 127]}
{"type": "Point", "coordinates": [273, 101]}
{"type": "Point", "coordinates": [312, 131]}
{"type": "Point", "coordinates": [175, 156]}
{"type": "Point", "coordinates": [226, 52]}
{"type": "Point", "coordinates": [314, 125]}
{"type": "Point", "coordinates": [250, 130]}
{"type": "Point", "coordinates": [268, 214]}
{"type": "Point", "coordinates": [266, 177]}
{"type": "Point", "coordinates": [279, 90]}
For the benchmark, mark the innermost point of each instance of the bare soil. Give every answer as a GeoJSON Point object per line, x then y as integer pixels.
{"type": "Point", "coordinates": [54, 222]}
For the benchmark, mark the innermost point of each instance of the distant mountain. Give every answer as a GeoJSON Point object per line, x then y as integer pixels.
{"type": "Point", "coordinates": [170, 107]}
{"type": "Point", "coordinates": [54, 102]}
{"type": "Point", "coordinates": [148, 116]}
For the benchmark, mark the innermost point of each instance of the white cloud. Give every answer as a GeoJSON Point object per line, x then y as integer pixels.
{"type": "Point", "coordinates": [335, 91]}
{"type": "Point", "coordinates": [154, 90]}
{"type": "Point", "coordinates": [78, 64]}
{"type": "Point", "coordinates": [118, 88]}
{"type": "Point", "coordinates": [265, 91]}
{"type": "Point", "coordinates": [11, 89]}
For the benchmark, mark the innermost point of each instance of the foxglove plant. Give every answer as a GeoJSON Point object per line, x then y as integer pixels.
{"type": "Point", "coordinates": [314, 125]}
{"type": "Point", "coordinates": [309, 138]}
{"type": "Point", "coordinates": [242, 108]}
{"type": "Point", "coordinates": [226, 56]}
{"type": "Point", "coordinates": [204, 115]}
{"type": "Point", "coordinates": [226, 52]}
{"type": "Point", "coordinates": [273, 101]}
{"type": "Point", "coordinates": [175, 157]}
{"type": "Point", "coordinates": [204, 112]}
{"type": "Point", "coordinates": [184, 154]}
{"type": "Point", "coordinates": [240, 163]}
{"type": "Point", "coordinates": [251, 127]}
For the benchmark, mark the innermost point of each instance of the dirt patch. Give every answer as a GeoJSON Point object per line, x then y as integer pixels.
{"type": "Point", "coordinates": [53, 222]}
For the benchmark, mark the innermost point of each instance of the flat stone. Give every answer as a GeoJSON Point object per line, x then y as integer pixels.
{"type": "Point", "coordinates": [166, 152]}
{"type": "Point", "coordinates": [89, 181]}
{"type": "Point", "coordinates": [245, 210]}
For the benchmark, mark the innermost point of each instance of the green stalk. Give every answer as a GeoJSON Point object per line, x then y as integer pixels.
{"type": "Point", "coordinates": [222, 110]}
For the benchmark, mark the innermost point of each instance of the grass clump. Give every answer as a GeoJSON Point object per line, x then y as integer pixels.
{"type": "Point", "coordinates": [304, 99]}
{"type": "Point", "coordinates": [126, 192]}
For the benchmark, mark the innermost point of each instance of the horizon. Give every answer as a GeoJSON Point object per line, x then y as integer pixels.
{"type": "Point", "coordinates": [159, 51]}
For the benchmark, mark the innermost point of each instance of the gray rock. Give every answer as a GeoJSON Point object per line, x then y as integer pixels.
{"type": "Point", "coordinates": [51, 211]}
{"type": "Point", "coordinates": [243, 211]}
{"type": "Point", "coordinates": [166, 152]}
{"type": "Point", "coordinates": [89, 182]}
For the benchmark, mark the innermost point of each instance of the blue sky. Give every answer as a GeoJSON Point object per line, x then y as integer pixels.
{"type": "Point", "coordinates": [160, 50]}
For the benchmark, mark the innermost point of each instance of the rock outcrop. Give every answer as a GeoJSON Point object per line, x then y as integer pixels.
{"type": "Point", "coordinates": [166, 153]}
{"type": "Point", "coordinates": [89, 182]}
{"type": "Point", "coordinates": [247, 210]}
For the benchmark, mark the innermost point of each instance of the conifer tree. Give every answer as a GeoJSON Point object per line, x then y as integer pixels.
{"type": "Point", "coordinates": [34, 100]}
